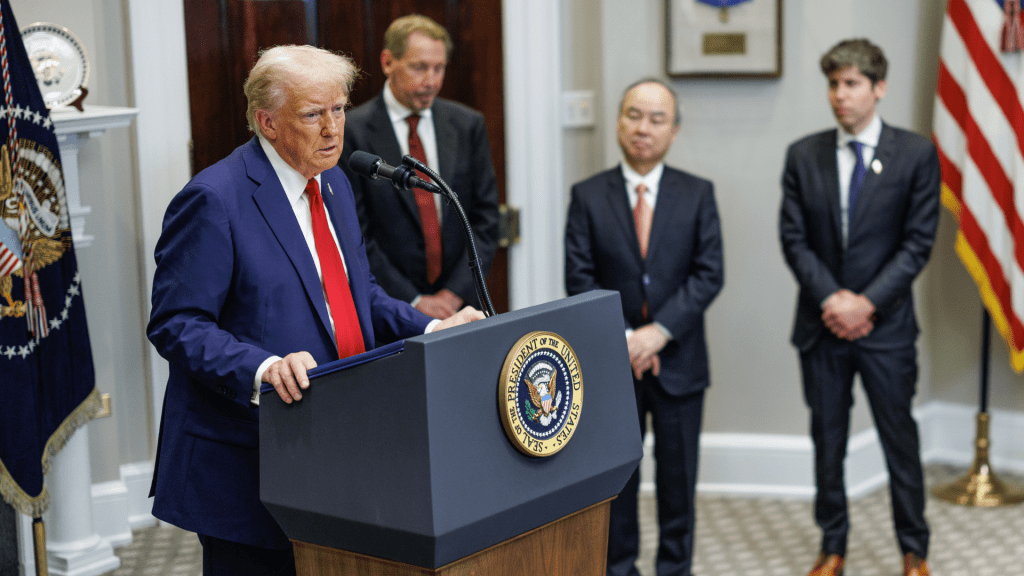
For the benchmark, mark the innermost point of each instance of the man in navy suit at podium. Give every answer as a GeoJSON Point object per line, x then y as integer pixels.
{"type": "Point", "coordinates": [261, 275]}
{"type": "Point", "coordinates": [651, 232]}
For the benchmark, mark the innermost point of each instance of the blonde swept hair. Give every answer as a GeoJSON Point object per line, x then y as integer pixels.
{"type": "Point", "coordinates": [396, 37]}
{"type": "Point", "coordinates": [282, 66]}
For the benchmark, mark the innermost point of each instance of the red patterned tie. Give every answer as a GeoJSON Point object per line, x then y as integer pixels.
{"type": "Point", "coordinates": [642, 217]}
{"type": "Point", "coordinates": [425, 204]}
{"type": "Point", "coordinates": [347, 333]}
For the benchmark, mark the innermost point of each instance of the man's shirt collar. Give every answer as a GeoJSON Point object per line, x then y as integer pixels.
{"type": "Point", "coordinates": [294, 184]}
{"type": "Point", "coordinates": [396, 111]}
{"type": "Point", "coordinates": [651, 179]}
{"type": "Point", "coordinates": [869, 136]}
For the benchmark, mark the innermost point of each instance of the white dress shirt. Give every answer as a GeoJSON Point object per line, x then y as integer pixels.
{"type": "Point", "coordinates": [633, 179]}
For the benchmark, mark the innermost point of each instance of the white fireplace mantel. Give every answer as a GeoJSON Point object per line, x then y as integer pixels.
{"type": "Point", "coordinates": [73, 129]}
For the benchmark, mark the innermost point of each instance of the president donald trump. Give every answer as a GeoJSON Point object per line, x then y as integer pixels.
{"type": "Point", "coordinates": [261, 275]}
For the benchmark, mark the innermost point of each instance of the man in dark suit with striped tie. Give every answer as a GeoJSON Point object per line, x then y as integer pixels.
{"type": "Point", "coordinates": [651, 232]}
{"type": "Point", "coordinates": [857, 224]}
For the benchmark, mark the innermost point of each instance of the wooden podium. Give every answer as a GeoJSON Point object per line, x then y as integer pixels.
{"type": "Point", "coordinates": [398, 464]}
{"type": "Point", "coordinates": [576, 545]}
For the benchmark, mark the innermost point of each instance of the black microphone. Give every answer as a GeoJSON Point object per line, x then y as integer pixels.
{"type": "Point", "coordinates": [402, 177]}
{"type": "Point", "coordinates": [474, 258]}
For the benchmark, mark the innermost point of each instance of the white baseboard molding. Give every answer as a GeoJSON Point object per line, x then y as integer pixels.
{"type": "Point", "coordinates": [120, 506]}
{"type": "Point", "coordinates": [138, 477]}
{"type": "Point", "coordinates": [782, 466]}
{"type": "Point", "coordinates": [110, 512]}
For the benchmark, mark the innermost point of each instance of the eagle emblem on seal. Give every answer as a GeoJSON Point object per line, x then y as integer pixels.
{"type": "Point", "coordinates": [543, 394]}
{"type": "Point", "coordinates": [44, 225]}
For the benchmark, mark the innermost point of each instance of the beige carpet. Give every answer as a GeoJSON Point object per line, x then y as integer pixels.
{"type": "Point", "coordinates": [746, 537]}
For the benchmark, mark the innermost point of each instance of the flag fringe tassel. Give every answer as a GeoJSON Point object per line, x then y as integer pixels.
{"type": "Point", "coordinates": [981, 279]}
{"type": "Point", "coordinates": [34, 506]}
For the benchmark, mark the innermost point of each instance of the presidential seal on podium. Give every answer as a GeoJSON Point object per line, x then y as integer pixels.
{"type": "Point", "coordinates": [540, 394]}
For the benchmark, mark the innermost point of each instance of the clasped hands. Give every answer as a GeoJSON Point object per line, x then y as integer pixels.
{"type": "Point", "coordinates": [442, 305]}
{"type": "Point", "coordinates": [644, 344]}
{"type": "Point", "coordinates": [847, 315]}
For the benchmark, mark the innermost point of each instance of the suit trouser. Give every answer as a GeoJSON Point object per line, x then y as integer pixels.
{"type": "Point", "coordinates": [889, 377]}
{"type": "Point", "coordinates": [226, 558]}
{"type": "Point", "coordinates": [676, 422]}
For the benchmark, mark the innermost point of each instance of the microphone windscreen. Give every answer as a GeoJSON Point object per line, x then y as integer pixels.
{"type": "Point", "coordinates": [364, 163]}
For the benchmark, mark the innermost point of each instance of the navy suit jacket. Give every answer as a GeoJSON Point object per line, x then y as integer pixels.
{"type": "Point", "coordinates": [891, 232]}
{"type": "Point", "coordinates": [235, 283]}
{"type": "Point", "coordinates": [391, 220]}
{"type": "Point", "coordinates": [682, 274]}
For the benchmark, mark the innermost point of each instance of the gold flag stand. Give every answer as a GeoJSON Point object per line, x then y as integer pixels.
{"type": "Point", "coordinates": [981, 487]}
{"type": "Point", "coordinates": [39, 539]}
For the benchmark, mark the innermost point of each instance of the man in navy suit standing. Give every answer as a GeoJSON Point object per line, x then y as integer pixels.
{"type": "Point", "coordinates": [857, 224]}
{"type": "Point", "coordinates": [651, 232]}
{"type": "Point", "coordinates": [261, 275]}
{"type": "Point", "coordinates": [415, 242]}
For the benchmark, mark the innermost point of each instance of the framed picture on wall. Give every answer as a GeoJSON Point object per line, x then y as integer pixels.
{"type": "Point", "coordinates": [724, 38]}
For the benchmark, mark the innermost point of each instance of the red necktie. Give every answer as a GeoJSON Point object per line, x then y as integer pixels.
{"type": "Point", "coordinates": [347, 333]}
{"type": "Point", "coordinates": [642, 216]}
{"type": "Point", "coordinates": [427, 209]}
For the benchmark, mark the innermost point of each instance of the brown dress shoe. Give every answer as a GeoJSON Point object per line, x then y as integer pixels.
{"type": "Point", "coordinates": [914, 565]}
{"type": "Point", "coordinates": [828, 565]}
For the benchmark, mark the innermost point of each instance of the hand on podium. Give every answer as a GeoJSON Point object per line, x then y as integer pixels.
{"type": "Point", "coordinates": [288, 375]}
{"type": "Point", "coordinates": [464, 316]}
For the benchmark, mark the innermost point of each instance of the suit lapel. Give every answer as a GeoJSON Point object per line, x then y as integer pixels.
{"type": "Point", "coordinates": [382, 134]}
{"type": "Point", "coordinates": [669, 197]}
{"type": "Point", "coordinates": [618, 203]}
{"type": "Point", "coordinates": [447, 145]}
{"type": "Point", "coordinates": [829, 169]}
{"type": "Point", "coordinates": [883, 156]}
{"type": "Point", "coordinates": [273, 204]}
{"type": "Point", "coordinates": [447, 141]}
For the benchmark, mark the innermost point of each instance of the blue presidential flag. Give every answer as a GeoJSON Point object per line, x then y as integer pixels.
{"type": "Point", "coordinates": [46, 371]}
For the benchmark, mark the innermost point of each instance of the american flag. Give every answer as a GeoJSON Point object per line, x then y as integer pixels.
{"type": "Point", "coordinates": [979, 131]}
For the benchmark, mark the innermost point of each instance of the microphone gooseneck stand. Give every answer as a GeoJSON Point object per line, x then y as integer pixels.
{"type": "Point", "coordinates": [474, 258]}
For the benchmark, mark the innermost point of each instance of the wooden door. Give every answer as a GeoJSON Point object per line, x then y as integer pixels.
{"type": "Point", "coordinates": [223, 38]}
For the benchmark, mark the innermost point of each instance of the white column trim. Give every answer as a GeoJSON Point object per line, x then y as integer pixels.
{"type": "Point", "coordinates": [532, 33]}
{"type": "Point", "coordinates": [163, 129]}
{"type": "Point", "coordinates": [73, 547]}
{"type": "Point", "coordinates": [73, 129]}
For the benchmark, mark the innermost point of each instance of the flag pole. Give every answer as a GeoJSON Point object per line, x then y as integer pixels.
{"type": "Point", "coordinates": [981, 487]}
{"type": "Point", "coordinates": [39, 539]}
